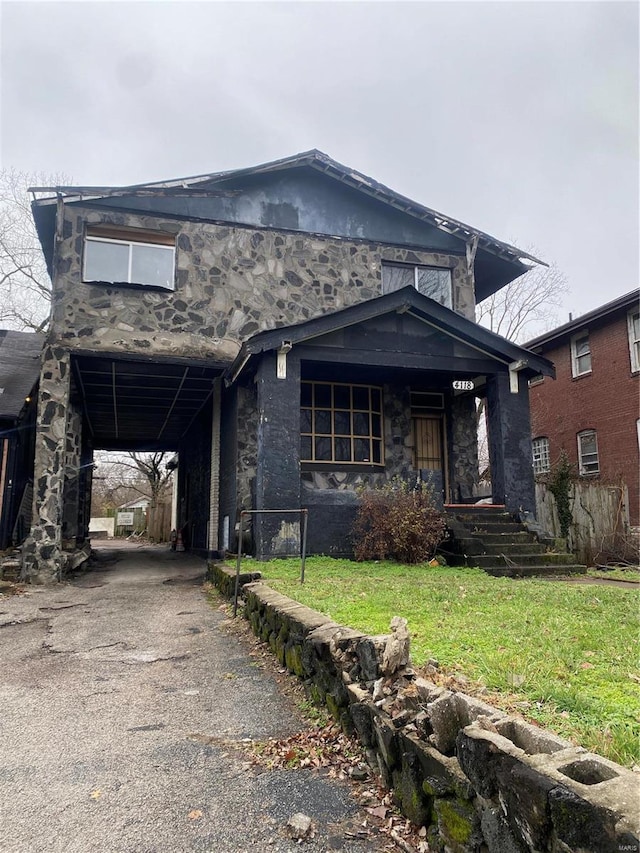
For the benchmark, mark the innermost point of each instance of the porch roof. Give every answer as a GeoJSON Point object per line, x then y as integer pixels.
{"type": "Point", "coordinates": [405, 301]}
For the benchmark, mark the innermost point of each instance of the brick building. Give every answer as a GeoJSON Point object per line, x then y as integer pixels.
{"type": "Point", "coordinates": [592, 409]}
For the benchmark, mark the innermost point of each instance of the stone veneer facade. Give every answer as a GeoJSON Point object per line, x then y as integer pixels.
{"type": "Point", "coordinates": [230, 283]}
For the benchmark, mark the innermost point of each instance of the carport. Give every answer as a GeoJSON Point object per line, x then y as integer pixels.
{"type": "Point", "coordinates": [117, 401]}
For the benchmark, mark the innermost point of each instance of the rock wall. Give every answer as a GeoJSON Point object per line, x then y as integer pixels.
{"type": "Point", "coordinates": [231, 282]}
{"type": "Point", "coordinates": [479, 780]}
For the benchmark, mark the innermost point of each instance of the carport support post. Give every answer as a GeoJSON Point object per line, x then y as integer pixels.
{"type": "Point", "coordinates": [42, 552]}
{"type": "Point", "coordinates": [510, 443]}
{"type": "Point", "coordinates": [278, 458]}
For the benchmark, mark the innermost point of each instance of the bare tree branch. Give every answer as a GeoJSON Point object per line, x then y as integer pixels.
{"type": "Point", "coordinates": [525, 307]}
{"type": "Point", "coordinates": [25, 287]}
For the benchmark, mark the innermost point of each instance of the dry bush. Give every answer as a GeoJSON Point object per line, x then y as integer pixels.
{"type": "Point", "coordinates": [399, 521]}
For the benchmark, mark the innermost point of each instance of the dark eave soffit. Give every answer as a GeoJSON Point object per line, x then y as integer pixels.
{"type": "Point", "coordinates": [405, 300]}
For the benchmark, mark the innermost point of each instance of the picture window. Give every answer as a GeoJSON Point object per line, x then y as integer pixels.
{"type": "Point", "coordinates": [341, 423]}
{"type": "Point", "coordinates": [121, 256]}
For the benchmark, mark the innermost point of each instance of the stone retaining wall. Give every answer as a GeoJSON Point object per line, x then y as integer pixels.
{"type": "Point", "coordinates": [479, 780]}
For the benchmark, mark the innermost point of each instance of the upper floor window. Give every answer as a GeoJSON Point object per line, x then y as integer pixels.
{"type": "Point", "coordinates": [123, 256]}
{"type": "Point", "coordinates": [541, 456]}
{"type": "Point", "coordinates": [588, 452]}
{"type": "Point", "coordinates": [434, 282]}
{"type": "Point", "coordinates": [341, 423]}
{"type": "Point", "coordinates": [633, 319]}
{"type": "Point", "coordinates": [580, 355]}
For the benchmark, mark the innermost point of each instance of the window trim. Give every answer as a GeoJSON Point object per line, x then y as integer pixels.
{"type": "Point", "coordinates": [543, 457]}
{"type": "Point", "coordinates": [575, 372]}
{"type": "Point", "coordinates": [634, 343]}
{"type": "Point", "coordinates": [416, 268]}
{"type": "Point", "coordinates": [581, 463]}
{"type": "Point", "coordinates": [129, 237]}
{"type": "Point", "coordinates": [333, 463]}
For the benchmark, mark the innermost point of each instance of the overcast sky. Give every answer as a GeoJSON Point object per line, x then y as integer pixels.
{"type": "Point", "coordinates": [520, 119]}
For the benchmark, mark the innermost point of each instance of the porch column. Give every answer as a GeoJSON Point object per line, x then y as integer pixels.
{"type": "Point", "coordinates": [464, 448]}
{"type": "Point", "coordinates": [510, 443]}
{"type": "Point", "coordinates": [42, 551]}
{"type": "Point", "coordinates": [278, 458]}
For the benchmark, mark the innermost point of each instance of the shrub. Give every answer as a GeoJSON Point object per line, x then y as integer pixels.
{"type": "Point", "coordinates": [397, 520]}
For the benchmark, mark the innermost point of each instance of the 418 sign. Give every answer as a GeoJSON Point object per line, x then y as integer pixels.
{"type": "Point", "coordinates": [462, 385]}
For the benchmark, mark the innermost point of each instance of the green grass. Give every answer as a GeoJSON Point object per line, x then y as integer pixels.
{"type": "Point", "coordinates": [563, 655]}
{"type": "Point", "coordinates": [617, 574]}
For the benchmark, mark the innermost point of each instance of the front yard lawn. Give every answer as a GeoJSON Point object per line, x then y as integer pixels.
{"type": "Point", "coordinates": [563, 655]}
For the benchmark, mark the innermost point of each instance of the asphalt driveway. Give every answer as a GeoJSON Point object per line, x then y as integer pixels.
{"type": "Point", "coordinates": [122, 696]}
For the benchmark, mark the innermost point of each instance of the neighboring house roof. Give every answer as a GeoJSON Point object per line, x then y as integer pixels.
{"type": "Point", "coordinates": [554, 338]}
{"type": "Point", "coordinates": [215, 183]}
{"type": "Point", "coordinates": [19, 369]}
{"type": "Point", "coordinates": [408, 300]}
{"type": "Point", "coordinates": [143, 503]}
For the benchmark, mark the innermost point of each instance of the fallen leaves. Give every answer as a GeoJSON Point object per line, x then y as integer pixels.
{"type": "Point", "coordinates": [95, 795]}
{"type": "Point", "coordinates": [194, 814]}
{"type": "Point", "coordinates": [323, 747]}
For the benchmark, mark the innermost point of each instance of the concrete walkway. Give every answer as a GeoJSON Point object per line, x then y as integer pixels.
{"type": "Point", "coordinates": [119, 695]}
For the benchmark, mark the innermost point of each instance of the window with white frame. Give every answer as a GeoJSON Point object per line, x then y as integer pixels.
{"type": "Point", "coordinates": [434, 282]}
{"type": "Point", "coordinates": [580, 355]}
{"type": "Point", "coordinates": [541, 457]}
{"type": "Point", "coordinates": [633, 319]}
{"type": "Point", "coordinates": [341, 423]}
{"type": "Point", "coordinates": [588, 453]}
{"type": "Point", "coordinates": [128, 256]}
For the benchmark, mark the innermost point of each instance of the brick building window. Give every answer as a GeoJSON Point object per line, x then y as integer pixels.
{"type": "Point", "coordinates": [588, 453]}
{"type": "Point", "coordinates": [434, 282]}
{"type": "Point", "coordinates": [633, 319]}
{"type": "Point", "coordinates": [341, 423]}
{"type": "Point", "coordinates": [128, 256]}
{"type": "Point", "coordinates": [580, 355]}
{"type": "Point", "coordinates": [541, 456]}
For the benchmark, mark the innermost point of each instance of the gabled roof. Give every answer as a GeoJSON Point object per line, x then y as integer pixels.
{"type": "Point", "coordinates": [407, 300]}
{"type": "Point", "coordinates": [217, 183]}
{"type": "Point", "coordinates": [322, 162]}
{"type": "Point", "coordinates": [550, 339]}
{"type": "Point", "coordinates": [19, 369]}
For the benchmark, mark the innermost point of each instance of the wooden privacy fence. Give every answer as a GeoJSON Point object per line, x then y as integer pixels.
{"type": "Point", "coordinates": [599, 529]}
{"type": "Point", "coordinates": [159, 522]}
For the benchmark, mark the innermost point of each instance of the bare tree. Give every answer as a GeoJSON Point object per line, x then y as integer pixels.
{"type": "Point", "coordinates": [525, 307]}
{"type": "Point", "coordinates": [123, 476]}
{"type": "Point", "coordinates": [522, 309]}
{"type": "Point", "coordinates": [25, 286]}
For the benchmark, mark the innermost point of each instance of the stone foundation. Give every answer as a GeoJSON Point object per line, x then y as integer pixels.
{"type": "Point", "coordinates": [479, 780]}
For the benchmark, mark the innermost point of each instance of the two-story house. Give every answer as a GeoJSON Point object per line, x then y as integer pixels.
{"type": "Point", "coordinates": [592, 410]}
{"type": "Point", "coordinates": [293, 330]}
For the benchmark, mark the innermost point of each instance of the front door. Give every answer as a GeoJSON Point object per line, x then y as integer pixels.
{"type": "Point", "coordinates": [428, 447]}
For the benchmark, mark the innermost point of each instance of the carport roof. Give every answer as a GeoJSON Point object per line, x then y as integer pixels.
{"type": "Point", "coordinates": [137, 404]}
{"type": "Point", "coordinates": [407, 300]}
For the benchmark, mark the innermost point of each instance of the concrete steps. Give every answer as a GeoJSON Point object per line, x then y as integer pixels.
{"type": "Point", "coordinates": [492, 539]}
